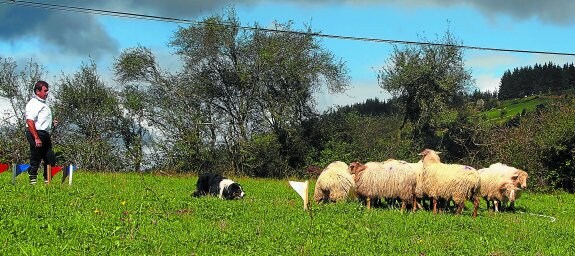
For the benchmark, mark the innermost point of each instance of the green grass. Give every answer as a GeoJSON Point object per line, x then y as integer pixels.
{"type": "Point", "coordinates": [511, 108]}
{"type": "Point", "coordinates": [135, 214]}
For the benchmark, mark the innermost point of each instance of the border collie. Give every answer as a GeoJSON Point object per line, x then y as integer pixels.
{"type": "Point", "coordinates": [216, 185]}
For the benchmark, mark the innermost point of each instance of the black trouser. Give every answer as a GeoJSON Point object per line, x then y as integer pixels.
{"type": "Point", "coordinates": [44, 152]}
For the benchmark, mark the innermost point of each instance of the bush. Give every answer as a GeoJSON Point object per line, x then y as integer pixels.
{"type": "Point", "coordinates": [541, 144]}
{"type": "Point", "coordinates": [263, 157]}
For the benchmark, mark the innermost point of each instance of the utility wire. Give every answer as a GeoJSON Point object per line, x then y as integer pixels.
{"type": "Point", "coordinates": [191, 22]}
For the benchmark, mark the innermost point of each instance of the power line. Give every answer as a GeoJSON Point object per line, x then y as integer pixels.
{"type": "Point", "coordinates": [187, 21]}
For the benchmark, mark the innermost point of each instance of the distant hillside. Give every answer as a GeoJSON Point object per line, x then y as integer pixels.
{"type": "Point", "coordinates": [508, 109]}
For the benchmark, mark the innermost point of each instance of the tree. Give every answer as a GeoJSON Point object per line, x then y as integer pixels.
{"type": "Point", "coordinates": [88, 112]}
{"type": "Point", "coordinates": [254, 82]}
{"type": "Point", "coordinates": [16, 86]}
{"type": "Point", "coordinates": [167, 105]}
{"type": "Point", "coordinates": [290, 68]}
{"type": "Point", "coordinates": [132, 126]}
{"type": "Point", "coordinates": [428, 79]}
{"type": "Point", "coordinates": [137, 72]}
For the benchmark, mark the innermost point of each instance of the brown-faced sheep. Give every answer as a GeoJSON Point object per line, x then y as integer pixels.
{"type": "Point", "coordinates": [334, 184]}
{"type": "Point", "coordinates": [449, 182]}
{"type": "Point", "coordinates": [502, 183]}
{"type": "Point", "coordinates": [521, 182]}
{"type": "Point", "coordinates": [392, 179]}
{"type": "Point", "coordinates": [512, 192]}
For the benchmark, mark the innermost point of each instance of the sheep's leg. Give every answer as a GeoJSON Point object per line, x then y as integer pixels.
{"type": "Point", "coordinates": [441, 203]}
{"type": "Point", "coordinates": [414, 205]}
{"type": "Point", "coordinates": [403, 205]}
{"type": "Point", "coordinates": [475, 206]}
{"type": "Point", "coordinates": [512, 206]}
{"type": "Point", "coordinates": [459, 208]}
{"type": "Point", "coordinates": [496, 205]}
{"type": "Point", "coordinates": [368, 202]}
{"type": "Point", "coordinates": [434, 200]}
{"type": "Point", "coordinates": [447, 206]}
{"type": "Point", "coordinates": [419, 206]}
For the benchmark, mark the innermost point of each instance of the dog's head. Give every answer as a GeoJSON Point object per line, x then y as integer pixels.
{"type": "Point", "coordinates": [233, 191]}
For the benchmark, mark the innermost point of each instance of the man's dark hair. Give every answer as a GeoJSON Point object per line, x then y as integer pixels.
{"type": "Point", "coordinates": [38, 86]}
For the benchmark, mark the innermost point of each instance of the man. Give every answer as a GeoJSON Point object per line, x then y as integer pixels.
{"type": "Point", "coordinates": [39, 123]}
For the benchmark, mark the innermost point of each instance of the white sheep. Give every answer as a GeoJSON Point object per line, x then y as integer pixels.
{"type": "Point", "coordinates": [334, 184]}
{"type": "Point", "coordinates": [392, 179]}
{"type": "Point", "coordinates": [449, 182]}
{"type": "Point", "coordinates": [512, 192]}
{"type": "Point", "coordinates": [501, 183]}
{"type": "Point", "coordinates": [521, 182]}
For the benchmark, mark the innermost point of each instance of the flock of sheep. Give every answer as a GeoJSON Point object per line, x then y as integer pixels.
{"type": "Point", "coordinates": [413, 183]}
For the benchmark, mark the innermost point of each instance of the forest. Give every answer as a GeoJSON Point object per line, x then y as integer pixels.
{"type": "Point", "coordinates": [243, 104]}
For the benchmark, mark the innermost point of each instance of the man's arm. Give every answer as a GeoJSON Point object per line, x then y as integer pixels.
{"type": "Point", "coordinates": [34, 132]}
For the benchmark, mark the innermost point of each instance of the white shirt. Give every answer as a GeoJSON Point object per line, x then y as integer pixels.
{"type": "Point", "coordinates": [38, 111]}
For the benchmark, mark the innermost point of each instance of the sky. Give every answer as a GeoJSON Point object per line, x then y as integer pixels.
{"type": "Point", "coordinates": [61, 40]}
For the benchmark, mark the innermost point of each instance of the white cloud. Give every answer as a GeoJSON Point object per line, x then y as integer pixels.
{"type": "Point", "coordinates": [556, 59]}
{"type": "Point", "coordinates": [491, 61]}
{"type": "Point", "coordinates": [5, 111]}
{"type": "Point", "coordinates": [487, 69]}
{"type": "Point", "coordinates": [487, 82]}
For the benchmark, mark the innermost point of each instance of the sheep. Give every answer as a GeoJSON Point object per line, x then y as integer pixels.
{"type": "Point", "coordinates": [495, 187]}
{"type": "Point", "coordinates": [334, 184]}
{"type": "Point", "coordinates": [495, 183]}
{"type": "Point", "coordinates": [512, 192]}
{"type": "Point", "coordinates": [500, 182]}
{"type": "Point", "coordinates": [449, 182]}
{"type": "Point", "coordinates": [521, 181]}
{"type": "Point", "coordinates": [391, 179]}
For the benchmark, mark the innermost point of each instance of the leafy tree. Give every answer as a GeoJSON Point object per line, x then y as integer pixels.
{"type": "Point", "coordinates": [348, 136]}
{"type": "Point", "coordinates": [16, 86]}
{"type": "Point", "coordinates": [428, 79]}
{"type": "Point", "coordinates": [216, 68]}
{"type": "Point", "coordinates": [290, 68]}
{"type": "Point", "coordinates": [529, 80]}
{"type": "Point", "coordinates": [132, 125]}
{"type": "Point", "coordinates": [88, 113]}
{"type": "Point", "coordinates": [182, 137]}
{"type": "Point", "coordinates": [255, 82]}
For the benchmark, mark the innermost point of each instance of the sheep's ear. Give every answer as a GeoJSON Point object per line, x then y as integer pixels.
{"type": "Point", "coordinates": [437, 152]}
{"type": "Point", "coordinates": [353, 166]}
{"type": "Point", "coordinates": [515, 176]}
{"type": "Point", "coordinates": [356, 167]}
{"type": "Point", "coordinates": [506, 186]}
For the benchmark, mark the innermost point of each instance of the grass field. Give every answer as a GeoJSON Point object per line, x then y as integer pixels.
{"type": "Point", "coordinates": [511, 108]}
{"type": "Point", "coordinates": [135, 214]}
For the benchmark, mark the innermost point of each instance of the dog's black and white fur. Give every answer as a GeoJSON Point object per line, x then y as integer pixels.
{"type": "Point", "coordinates": [216, 185]}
